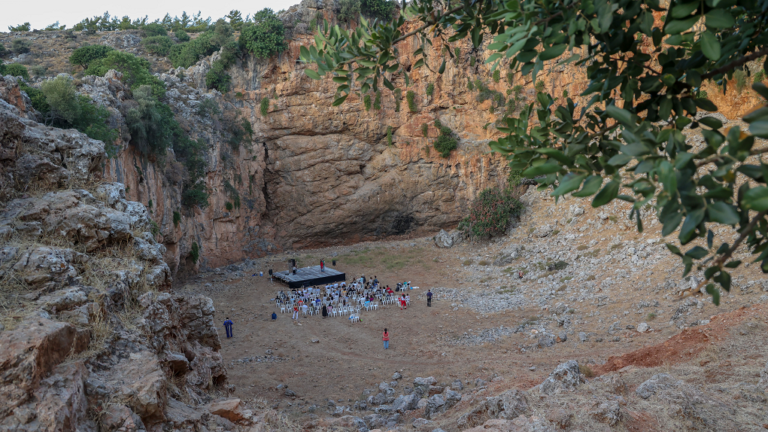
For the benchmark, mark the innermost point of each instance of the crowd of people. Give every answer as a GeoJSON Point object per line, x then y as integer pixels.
{"type": "Point", "coordinates": [342, 298]}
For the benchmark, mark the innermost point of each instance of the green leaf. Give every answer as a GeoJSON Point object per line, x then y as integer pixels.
{"type": "Point", "coordinates": [690, 223]}
{"type": "Point", "coordinates": [697, 252]}
{"type": "Point", "coordinates": [340, 100]}
{"type": "Point", "coordinates": [553, 52]}
{"type": "Point", "coordinates": [715, 293]}
{"type": "Point", "coordinates": [710, 46]}
{"type": "Point", "coordinates": [705, 104]}
{"type": "Point", "coordinates": [712, 122]}
{"type": "Point", "coordinates": [760, 88]}
{"type": "Point", "coordinates": [442, 67]}
{"type": "Point", "coordinates": [756, 199]}
{"type": "Point", "coordinates": [312, 74]}
{"type": "Point", "coordinates": [679, 26]}
{"type": "Point", "coordinates": [621, 115]}
{"type": "Point", "coordinates": [683, 10]}
{"type": "Point", "coordinates": [733, 264]}
{"type": "Point", "coordinates": [607, 194]}
{"type": "Point", "coordinates": [759, 128]}
{"type": "Point", "coordinates": [591, 186]}
{"type": "Point", "coordinates": [722, 213]}
{"type": "Point", "coordinates": [570, 183]}
{"type": "Point", "coordinates": [546, 168]}
{"type": "Point", "coordinates": [671, 223]}
{"type": "Point", "coordinates": [719, 18]}
{"type": "Point", "coordinates": [674, 249]}
{"type": "Point", "coordinates": [620, 160]}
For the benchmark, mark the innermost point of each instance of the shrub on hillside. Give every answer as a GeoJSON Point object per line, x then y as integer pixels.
{"type": "Point", "coordinates": [154, 29]}
{"type": "Point", "coordinates": [83, 56]}
{"type": "Point", "coordinates": [63, 103]}
{"type": "Point", "coordinates": [490, 213]}
{"type": "Point", "coordinates": [149, 123]}
{"type": "Point", "coordinates": [349, 10]}
{"type": "Point", "coordinates": [15, 69]}
{"type": "Point", "coordinates": [410, 97]}
{"type": "Point", "coordinates": [158, 45]}
{"type": "Point", "coordinates": [3, 51]}
{"type": "Point", "coordinates": [135, 70]}
{"type": "Point", "coordinates": [62, 107]}
{"type": "Point", "coordinates": [379, 9]}
{"type": "Point", "coordinates": [265, 37]}
{"type": "Point", "coordinates": [21, 27]}
{"type": "Point", "coordinates": [446, 142]}
{"type": "Point", "coordinates": [181, 36]}
{"type": "Point", "coordinates": [21, 46]}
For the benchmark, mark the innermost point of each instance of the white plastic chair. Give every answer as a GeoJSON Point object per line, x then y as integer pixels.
{"type": "Point", "coordinates": [282, 309]}
{"type": "Point", "coordinates": [375, 306]}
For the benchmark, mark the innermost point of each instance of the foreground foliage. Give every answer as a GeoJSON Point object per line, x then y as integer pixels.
{"type": "Point", "coordinates": [645, 88]}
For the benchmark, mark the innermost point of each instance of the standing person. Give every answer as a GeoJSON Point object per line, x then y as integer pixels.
{"type": "Point", "coordinates": [228, 327]}
{"type": "Point", "coordinates": [385, 338]}
{"type": "Point", "coordinates": [429, 298]}
{"type": "Point", "coordinates": [296, 312]}
{"type": "Point", "coordinates": [325, 312]}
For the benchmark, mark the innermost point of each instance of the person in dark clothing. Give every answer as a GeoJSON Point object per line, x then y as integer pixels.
{"type": "Point", "coordinates": [228, 327]}
{"type": "Point", "coordinates": [274, 316]}
{"type": "Point", "coordinates": [325, 311]}
{"type": "Point", "coordinates": [429, 298]}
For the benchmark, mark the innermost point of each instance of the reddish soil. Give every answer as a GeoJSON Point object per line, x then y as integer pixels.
{"type": "Point", "coordinates": [683, 346]}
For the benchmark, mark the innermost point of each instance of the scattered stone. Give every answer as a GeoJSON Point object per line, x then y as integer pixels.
{"type": "Point", "coordinates": [656, 383]}
{"type": "Point", "coordinates": [642, 327]}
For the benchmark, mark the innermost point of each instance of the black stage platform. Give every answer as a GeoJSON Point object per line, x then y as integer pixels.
{"type": "Point", "coordinates": [310, 276]}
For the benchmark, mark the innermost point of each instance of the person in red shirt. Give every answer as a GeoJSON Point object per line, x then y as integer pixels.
{"type": "Point", "coordinates": [385, 338]}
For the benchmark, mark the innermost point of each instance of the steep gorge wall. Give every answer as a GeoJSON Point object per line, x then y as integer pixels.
{"type": "Point", "coordinates": [318, 175]}
{"type": "Point", "coordinates": [314, 174]}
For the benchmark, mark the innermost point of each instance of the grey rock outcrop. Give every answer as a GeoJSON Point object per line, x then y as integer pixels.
{"type": "Point", "coordinates": [565, 377]}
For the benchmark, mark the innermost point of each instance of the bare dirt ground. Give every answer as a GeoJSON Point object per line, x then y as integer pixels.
{"type": "Point", "coordinates": [350, 357]}
{"type": "Point", "coordinates": [614, 275]}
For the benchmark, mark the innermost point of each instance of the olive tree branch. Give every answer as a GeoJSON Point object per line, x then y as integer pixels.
{"type": "Point", "coordinates": [727, 254]}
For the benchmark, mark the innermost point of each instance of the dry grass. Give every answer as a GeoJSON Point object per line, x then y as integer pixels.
{"type": "Point", "coordinates": [586, 371]}
{"type": "Point", "coordinates": [484, 263]}
{"type": "Point", "coordinates": [582, 247]}
{"type": "Point", "coordinates": [467, 263]}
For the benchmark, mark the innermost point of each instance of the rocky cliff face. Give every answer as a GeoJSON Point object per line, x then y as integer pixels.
{"type": "Point", "coordinates": [312, 175]}
{"type": "Point", "coordinates": [89, 338]}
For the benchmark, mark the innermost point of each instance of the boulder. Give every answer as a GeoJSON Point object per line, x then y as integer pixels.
{"type": "Point", "coordinates": [565, 377]}
{"type": "Point", "coordinates": [546, 341]}
{"type": "Point", "coordinates": [421, 385]}
{"type": "Point", "coordinates": [60, 397]}
{"type": "Point", "coordinates": [406, 403]}
{"type": "Point", "coordinates": [29, 354]}
{"type": "Point", "coordinates": [508, 405]}
{"type": "Point", "coordinates": [656, 383]}
{"type": "Point", "coordinates": [608, 412]}
{"type": "Point", "coordinates": [443, 239]}
{"type": "Point", "coordinates": [230, 409]}
{"type": "Point", "coordinates": [642, 327]}
{"type": "Point", "coordinates": [509, 254]}
{"type": "Point", "coordinates": [63, 300]}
